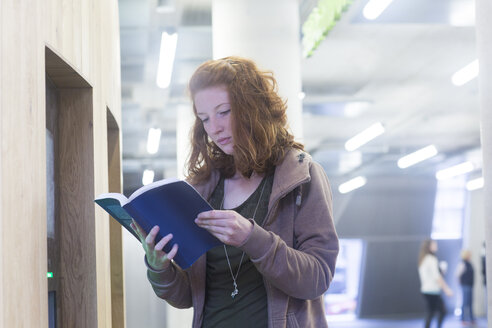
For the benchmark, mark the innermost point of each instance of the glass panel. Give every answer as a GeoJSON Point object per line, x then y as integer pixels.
{"type": "Point", "coordinates": [342, 297]}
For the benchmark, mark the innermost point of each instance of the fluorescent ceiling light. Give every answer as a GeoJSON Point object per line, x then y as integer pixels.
{"type": "Point", "coordinates": [374, 8]}
{"type": "Point", "coordinates": [475, 184]}
{"type": "Point", "coordinates": [166, 59]}
{"type": "Point", "coordinates": [301, 95]}
{"type": "Point", "coordinates": [417, 156]}
{"type": "Point", "coordinates": [466, 74]}
{"type": "Point", "coordinates": [455, 171]}
{"type": "Point", "coordinates": [148, 177]}
{"type": "Point", "coordinates": [153, 140]}
{"type": "Point", "coordinates": [364, 137]}
{"type": "Point", "coordinates": [353, 184]}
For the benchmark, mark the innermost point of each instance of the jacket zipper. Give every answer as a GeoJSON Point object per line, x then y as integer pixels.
{"type": "Point", "coordinates": [273, 209]}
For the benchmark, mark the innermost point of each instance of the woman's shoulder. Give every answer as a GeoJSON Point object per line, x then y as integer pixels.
{"type": "Point", "coordinates": [429, 259]}
{"type": "Point", "coordinates": [205, 188]}
{"type": "Point", "coordinates": [296, 157]}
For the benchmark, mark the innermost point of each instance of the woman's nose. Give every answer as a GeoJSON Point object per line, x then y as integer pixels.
{"type": "Point", "coordinates": [216, 127]}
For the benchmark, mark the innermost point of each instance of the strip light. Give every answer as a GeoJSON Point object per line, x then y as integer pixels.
{"type": "Point", "coordinates": [365, 136]}
{"type": "Point", "coordinates": [153, 140]}
{"type": "Point", "coordinates": [466, 74]}
{"type": "Point", "coordinates": [351, 185]}
{"type": "Point", "coordinates": [417, 157]}
{"type": "Point", "coordinates": [166, 59]}
{"type": "Point", "coordinates": [475, 184]}
{"type": "Point", "coordinates": [455, 171]}
{"type": "Point", "coordinates": [148, 177]}
{"type": "Point", "coordinates": [374, 8]}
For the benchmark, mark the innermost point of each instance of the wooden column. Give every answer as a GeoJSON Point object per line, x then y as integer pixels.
{"type": "Point", "coordinates": [85, 72]}
{"type": "Point", "coordinates": [116, 238]}
{"type": "Point", "coordinates": [76, 210]}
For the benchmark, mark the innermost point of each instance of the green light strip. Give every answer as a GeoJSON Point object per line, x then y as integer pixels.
{"type": "Point", "coordinates": [49, 275]}
{"type": "Point", "coordinates": [321, 20]}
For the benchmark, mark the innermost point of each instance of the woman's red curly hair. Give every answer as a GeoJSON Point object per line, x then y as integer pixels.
{"type": "Point", "coordinates": [258, 116]}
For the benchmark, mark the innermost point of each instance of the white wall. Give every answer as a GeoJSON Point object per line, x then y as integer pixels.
{"type": "Point", "coordinates": [473, 237]}
{"type": "Point", "coordinates": [143, 307]}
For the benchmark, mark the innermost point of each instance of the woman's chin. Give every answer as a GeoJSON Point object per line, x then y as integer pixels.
{"type": "Point", "coordinates": [228, 150]}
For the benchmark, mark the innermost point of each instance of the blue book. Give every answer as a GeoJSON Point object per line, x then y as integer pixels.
{"type": "Point", "coordinates": [171, 204]}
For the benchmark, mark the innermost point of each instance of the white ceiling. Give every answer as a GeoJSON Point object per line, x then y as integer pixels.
{"type": "Point", "coordinates": [398, 67]}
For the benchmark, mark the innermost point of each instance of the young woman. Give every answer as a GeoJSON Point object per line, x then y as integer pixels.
{"type": "Point", "coordinates": [432, 282]}
{"type": "Point", "coordinates": [273, 210]}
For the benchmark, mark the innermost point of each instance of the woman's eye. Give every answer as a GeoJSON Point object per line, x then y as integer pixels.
{"type": "Point", "coordinates": [204, 120]}
{"type": "Point", "coordinates": [225, 112]}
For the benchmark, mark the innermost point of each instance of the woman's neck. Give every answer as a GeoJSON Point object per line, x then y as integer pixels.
{"type": "Point", "coordinates": [238, 188]}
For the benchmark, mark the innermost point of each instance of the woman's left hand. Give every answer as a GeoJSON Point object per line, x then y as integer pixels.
{"type": "Point", "coordinates": [228, 226]}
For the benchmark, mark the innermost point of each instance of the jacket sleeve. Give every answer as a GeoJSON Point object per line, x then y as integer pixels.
{"type": "Point", "coordinates": [172, 285]}
{"type": "Point", "coordinates": [304, 272]}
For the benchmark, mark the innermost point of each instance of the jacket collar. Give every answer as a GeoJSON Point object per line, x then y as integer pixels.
{"type": "Point", "coordinates": [290, 173]}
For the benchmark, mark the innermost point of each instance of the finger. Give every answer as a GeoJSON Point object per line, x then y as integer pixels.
{"type": "Point", "coordinates": [138, 230]}
{"type": "Point", "coordinates": [163, 242]}
{"type": "Point", "coordinates": [173, 252]}
{"type": "Point", "coordinates": [205, 222]}
{"type": "Point", "coordinates": [219, 230]}
{"type": "Point", "coordinates": [214, 214]}
{"type": "Point", "coordinates": [135, 226]}
{"type": "Point", "coordinates": [149, 240]}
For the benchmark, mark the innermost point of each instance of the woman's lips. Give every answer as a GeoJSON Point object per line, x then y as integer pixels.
{"type": "Point", "coordinates": [223, 141]}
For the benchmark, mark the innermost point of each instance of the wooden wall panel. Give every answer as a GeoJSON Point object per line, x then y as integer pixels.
{"type": "Point", "coordinates": [116, 238]}
{"type": "Point", "coordinates": [23, 184]}
{"type": "Point", "coordinates": [85, 34]}
{"type": "Point", "coordinates": [76, 183]}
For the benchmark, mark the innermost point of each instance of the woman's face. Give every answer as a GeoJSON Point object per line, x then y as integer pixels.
{"type": "Point", "coordinates": [214, 110]}
{"type": "Point", "coordinates": [433, 246]}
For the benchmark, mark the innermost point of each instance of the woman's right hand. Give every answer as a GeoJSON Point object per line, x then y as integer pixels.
{"type": "Point", "coordinates": [157, 259]}
{"type": "Point", "coordinates": [448, 291]}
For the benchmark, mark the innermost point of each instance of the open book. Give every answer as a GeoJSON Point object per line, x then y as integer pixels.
{"type": "Point", "coordinates": [173, 205]}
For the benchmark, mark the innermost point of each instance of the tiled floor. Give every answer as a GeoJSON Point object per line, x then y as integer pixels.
{"type": "Point", "coordinates": [450, 322]}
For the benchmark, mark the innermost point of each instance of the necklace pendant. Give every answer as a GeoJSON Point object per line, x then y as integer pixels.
{"type": "Point", "coordinates": [235, 292]}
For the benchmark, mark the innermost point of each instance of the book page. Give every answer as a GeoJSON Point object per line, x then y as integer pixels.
{"type": "Point", "coordinates": [119, 197]}
{"type": "Point", "coordinates": [150, 186]}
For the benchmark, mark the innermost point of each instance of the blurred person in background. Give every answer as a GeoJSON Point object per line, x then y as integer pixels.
{"type": "Point", "coordinates": [432, 282]}
{"type": "Point", "coordinates": [465, 274]}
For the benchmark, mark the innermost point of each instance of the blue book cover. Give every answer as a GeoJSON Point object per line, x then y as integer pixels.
{"type": "Point", "coordinates": [172, 205]}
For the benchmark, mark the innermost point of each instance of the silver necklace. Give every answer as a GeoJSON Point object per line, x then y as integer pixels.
{"type": "Point", "coordinates": [234, 277]}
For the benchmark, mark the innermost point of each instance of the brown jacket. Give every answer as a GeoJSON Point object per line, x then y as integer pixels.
{"type": "Point", "coordinates": [295, 250]}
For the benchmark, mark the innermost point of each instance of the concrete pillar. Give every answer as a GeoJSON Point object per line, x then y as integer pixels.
{"type": "Point", "coordinates": [484, 43]}
{"type": "Point", "coordinates": [267, 32]}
